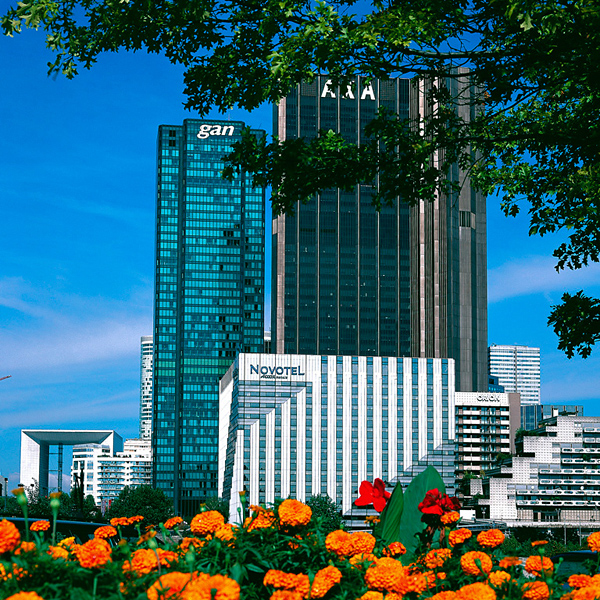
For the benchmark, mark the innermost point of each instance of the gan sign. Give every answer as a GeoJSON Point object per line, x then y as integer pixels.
{"type": "Point", "coordinates": [207, 130]}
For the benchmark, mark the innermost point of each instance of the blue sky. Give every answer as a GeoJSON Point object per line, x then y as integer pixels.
{"type": "Point", "coordinates": [77, 168]}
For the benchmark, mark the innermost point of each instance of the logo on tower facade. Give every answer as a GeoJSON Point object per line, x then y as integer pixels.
{"type": "Point", "coordinates": [207, 130]}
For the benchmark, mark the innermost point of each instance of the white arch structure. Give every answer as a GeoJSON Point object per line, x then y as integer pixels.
{"type": "Point", "coordinates": [35, 449]}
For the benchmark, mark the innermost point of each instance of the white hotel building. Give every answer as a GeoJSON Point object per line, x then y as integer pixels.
{"type": "Point", "coordinates": [301, 425]}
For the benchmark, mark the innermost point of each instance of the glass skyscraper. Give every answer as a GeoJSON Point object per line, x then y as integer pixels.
{"type": "Point", "coordinates": [209, 299]}
{"type": "Point", "coordinates": [405, 281]}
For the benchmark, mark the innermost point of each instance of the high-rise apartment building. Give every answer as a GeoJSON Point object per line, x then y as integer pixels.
{"type": "Point", "coordinates": [405, 281]}
{"type": "Point", "coordinates": [518, 370]}
{"type": "Point", "coordinates": [146, 387]}
{"type": "Point", "coordinates": [106, 473]}
{"type": "Point", "coordinates": [208, 299]}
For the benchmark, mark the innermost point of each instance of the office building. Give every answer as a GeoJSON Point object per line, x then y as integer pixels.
{"type": "Point", "coordinates": [554, 476]}
{"type": "Point", "coordinates": [106, 473]}
{"type": "Point", "coordinates": [146, 387]}
{"type": "Point", "coordinates": [518, 370]}
{"type": "Point", "coordinates": [405, 281]}
{"type": "Point", "coordinates": [486, 424]}
{"type": "Point", "coordinates": [297, 425]}
{"type": "Point", "coordinates": [208, 299]}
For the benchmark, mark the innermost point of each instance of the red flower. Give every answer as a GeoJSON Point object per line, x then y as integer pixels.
{"type": "Point", "coordinates": [436, 504]}
{"type": "Point", "coordinates": [372, 493]}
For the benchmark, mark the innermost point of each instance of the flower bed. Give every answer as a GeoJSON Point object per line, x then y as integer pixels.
{"type": "Point", "coordinates": [281, 553]}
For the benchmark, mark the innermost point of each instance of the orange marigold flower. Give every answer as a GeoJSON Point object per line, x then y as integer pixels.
{"type": "Point", "coordinates": [359, 560]}
{"type": "Point", "coordinates": [40, 525]}
{"type": "Point", "coordinates": [207, 522]}
{"type": "Point", "coordinates": [105, 532]}
{"type": "Point", "coordinates": [361, 542]}
{"type": "Point", "coordinates": [492, 538]}
{"type": "Point", "coordinates": [436, 558]}
{"type": "Point", "coordinates": [394, 549]}
{"type": "Point", "coordinates": [67, 542]}
{"type": "Point", "coordinates": [146, 536]}
{"type": "Point", "coordinates": [217, 587]}
{"type": "Point", "coordinates": [9, 536]}
{"type": "Point", "coordinates": [226, 532]}
{"type": "Point", "coordinates": [431, 578]}
{"type": "Point", "coordinates": [58, 552]}
{"type": "Point", "coordinates": [338, 541]}
{"type": "Point", "coordinates": [510, 561]}
{"type": "Point", "coordinates": [536, 590]}
{"type": "Point", "coordinates": [458, 536]}
{"type": "Point", "coordinates": [497, 578]}
{"type": "Point", "coordinates": [476, 591]}
{"type": "Point", "coordinates": [119, 521]}
{"type": "Point", "coordinates": [94, 553]}
{"type": "Point", "coordinates": [285, 595]}
{"type": "Point", "coordinates": [476, 563]}
{"type": "Point", "coordinates": [539, 543]}
{"type": "Point", "coordinates": [539, 564]}
{"type": "Point", "coordinates": [25, 596]}
{"type": "Point", "coordinates": [447, 595]}
{"type": "Point", "coordinates": [135, 519]}
{"type": "Point", "coordinates": [25, 547]}
{"type": "Point", "coordinates": [579, 580]}
{"type": "Point", "coordinates": [593, 541]}
{"type": "Point", "coordinates": [145, 560]}
{"type": "Point", "coordinates": [169, 584]}
{"type": "Point", "coordinates": [371, 595]}
{"type": "Point", "coordinates": [287, 581]}
{"type": "Point", "coordinates": [450, 518]}
{"type": "Point", "coordinates": [172, 522]}
{"type": "Point", "coordinates": [293, 513]}
{"type": "Point", "coordinates": [587, 593]}
{"type": "Point", "coordinates": [262, 519]}
{"type": "Point", "coordinates": [324, 580]}
{"type": "Point", "coordinates": [187, 542]}
{"type": "Point", "coordinates": [387, 575]}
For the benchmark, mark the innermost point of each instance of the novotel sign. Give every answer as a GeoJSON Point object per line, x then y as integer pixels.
{"type": "Point", "coordinates": [275, 372]}
{"type": "Point", "coordinates": [207, 130]}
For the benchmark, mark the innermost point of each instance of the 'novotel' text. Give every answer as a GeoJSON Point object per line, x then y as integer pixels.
{"type": "Point", "coordinates": [258, 370]}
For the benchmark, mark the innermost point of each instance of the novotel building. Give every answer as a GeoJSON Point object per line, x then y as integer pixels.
{"type": "Point", "coordinates": [301, 425]}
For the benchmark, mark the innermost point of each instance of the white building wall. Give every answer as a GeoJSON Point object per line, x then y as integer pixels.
{"type": "Point", "coordinates": [286, 439]}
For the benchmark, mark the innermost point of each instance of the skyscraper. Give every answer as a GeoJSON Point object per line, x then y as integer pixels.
{"type": "Point", "coordinates": [146, 388]}
{"type": "Point", "coordinates": [407, 281]}
{"type": "Point", "coordinates": [208, 299]}
{"type": "Point", "coordinates": [518, 370]}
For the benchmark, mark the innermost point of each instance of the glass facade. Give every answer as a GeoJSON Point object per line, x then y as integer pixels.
{"type": "Point", "coordinates": [209, 299]}
{"type": "Point", "coordinates": [404, 281]}
{"type": "Point", "coordinates": [343, 267]}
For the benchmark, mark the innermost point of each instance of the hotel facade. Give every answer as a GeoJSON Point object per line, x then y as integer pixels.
{"type": "Point", "coordinates": [301, 425]}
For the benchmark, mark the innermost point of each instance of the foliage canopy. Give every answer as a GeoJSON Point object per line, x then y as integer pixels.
{"type": "Point", "coordinates": [150, 503]}
{"type": "Point", "coordinates": [522, 116]}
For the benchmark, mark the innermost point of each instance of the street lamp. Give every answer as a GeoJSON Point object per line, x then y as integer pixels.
{"type": "Point", "coordinates": [5, 491]}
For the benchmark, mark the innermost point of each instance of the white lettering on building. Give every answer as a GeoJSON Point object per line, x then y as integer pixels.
{"type": "Point", "coordinates": [328, 92]}
{"type": "Point", "coordinates": [207, 130]}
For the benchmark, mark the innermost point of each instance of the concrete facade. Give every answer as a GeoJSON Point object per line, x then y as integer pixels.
{"type": "Point", "coordinates": [554, 476]}
{"type": "Point", "coordinates": [147, 350]}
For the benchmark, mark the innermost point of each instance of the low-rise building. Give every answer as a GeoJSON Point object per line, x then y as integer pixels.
{"type": "Point", "coordinates": [553, 477]}
{"type": "Point", "coordinates": [105, 474]}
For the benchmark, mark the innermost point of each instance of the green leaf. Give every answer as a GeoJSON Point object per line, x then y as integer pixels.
{"type": "Point", "coordinates": [411, 524]}
{"type": "Point", "coordinates": [388, 527]}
